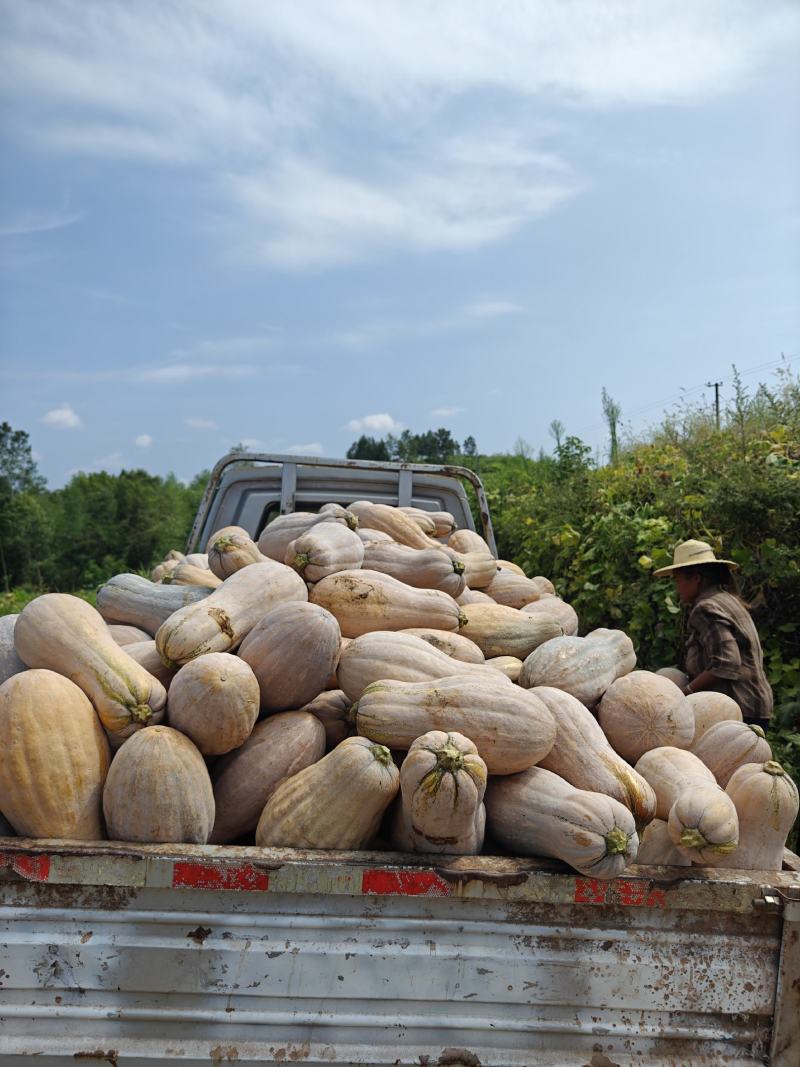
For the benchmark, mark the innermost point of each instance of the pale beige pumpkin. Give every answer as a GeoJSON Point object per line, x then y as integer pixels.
{"type": "Point", "coordinates": [766, 802]}
{"type": "Point", "coordinates": [656, 847]}
{"type": "Point", "coordinates": [564, 614]}
{"type": "Point", "coordinates": [284, 529]}
{"type": "Point", "coordinates": [230, 549]}
{"type": "Point", "coordinates": [293, 651]}
{"type": "Point", "coordinates": [127, 635]}
{"type": "Point", "coordinates": [442, 521]}
{"type": "Point", "coordinates": [467, 541]}
{"type": "Point", "coordinates": [221, 621]}
{"type": "Point", "coordinates": [498, 630]}
{"type": "Point", "coordinates": [214, 701]}
{"type": "Point", "coordinates": [198, 559]}
{"type": "Point", "coordinates": [582, 666]}
{"type": "Point", "coordinates": [513, 590]}
{"type": "Point", "coordinates": [582, 755]}
{"type": "Point", "coordinates": [726, 746]}
{"type": "Point", "coordinates": [701, 818]}
{"type": "Point", "coordinates": [158, 790]}
{"type": "Point", "coordinates": [400, 656]}
{"type": "Point", "coordinates": [678, 677]}
{"type": "Point", "coordinates": [509, 665]}
{"type": "Point", "coordinates": [146, 655]}
{"type": "Point", "coordinates": [710, 708]}
{"type": "Point", "coordinates": [393, 522]}
{"type": "Point", "coordinates": [158, 572]}
{"type": "Point", "coordinates": [422, 568]}
{"type": "Point", "coordinates": [336, 803]}
{"type": "Point", "coordinates": [537, 813]}
{"type": "Point", "coordinates": [643, 710]}
{"type": "Point", "coordinates": [132, 600]}
{"type": "Point", "coordinates": [511, 728]}
{"type": "Point", "coordinates": [440, 809]}
{"type": "Point", "coordinates": [63, 633]}
{"type": "Point", "coordinates": [507, 565]}
{"type": "Point", "coordinates": [480, 568]}
{"type": "Point", "coordinates": [333, 709]}
{"type": "Point", "coordinates": [326, 548]}
{"type": "Point", "coordinates": [364, 600]}
{"type": "Point", "coordinates": [188, 574]}
{"type": "Point", "coordinates": [421, 518]}
{"type": "Point", "coordinates": [460, 648]}
{"type": "Point", "coordinates": [55, 758]}
{"type": "Point", "coordinates": [366, 534]}
{"type": "Point", "coordinates": [473, 596]}
{"type": "Point", "coordinates": [246, 778]}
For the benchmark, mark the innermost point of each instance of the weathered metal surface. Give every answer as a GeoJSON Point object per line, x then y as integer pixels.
{"type": "Point", "coordinates": [785, 1049]}
{"type": "Point", "coordinates": [226, 499]}
{"type": "Point", "coordinates": [205, 954]}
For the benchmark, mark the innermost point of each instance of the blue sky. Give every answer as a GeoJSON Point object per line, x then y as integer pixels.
{"type": "Point", "coordinates": [288, 223]}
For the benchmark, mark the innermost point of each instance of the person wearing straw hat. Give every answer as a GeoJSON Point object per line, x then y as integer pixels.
{"type": "Point", "coordinates": [722, 650]}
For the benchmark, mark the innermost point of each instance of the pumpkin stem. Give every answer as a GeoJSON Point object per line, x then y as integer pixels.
{"type": "Point", "coordinates": [166, 578]}
{"type": "Point", "coordinates": [351, 520]}
{"type": "Point", "coordinates": [381, 754]}
{"type": "Point", "coordinates": [773, 767]}
{"type": "Point", "coordinates": [692, 838]}
{"type": "Point", "coordinates": [756, 729]}
{"type": "Point", "coordinates": [458, 566]}
{"type": "Point", "coordinates": [224, 544]}
{"type": "Point", "coordinates": [141, 713]}
{"type": "Point", "coordinates": [616, 842]}
{"type": "Point", "coordinates": [300, 561]}
{"type": "Point", "coordinates": [449, 758]}
{"type": "Point", "coordinates": [724, 847]}
{"type": "Point", "coordinates": [351, 713]}
{"type": "Point", "coordinates": [462, 620]}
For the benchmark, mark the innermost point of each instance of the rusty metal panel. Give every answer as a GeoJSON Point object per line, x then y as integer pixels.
{"type": "Point", "coordinates": [200, 954]}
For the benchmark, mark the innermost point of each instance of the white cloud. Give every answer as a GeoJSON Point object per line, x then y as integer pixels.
{"type": "Point", "coordinates": [31, 222]}
{"type": "Point", "coordinates": [489, 309]}
{"type": "Point", "coordinates": [382, 423]}
{"type": "Point", "coordinates": [185, 372]}
{"type": "Point", "coordinates": [201, 424]}
{"type": "Point", "coordinates": [144, 440]}
{"type": "Point", "coordinates": [446, 413]}
{"type": "Point", "coordinates": [255, 85]}
{"type": "Point", "coordinates": [63, 418]}
{"type": "Point", "coordinates": [313, 449]}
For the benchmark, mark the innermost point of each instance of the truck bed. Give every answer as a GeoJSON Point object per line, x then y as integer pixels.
{"type": "Point", "coordinates": [125, 954]}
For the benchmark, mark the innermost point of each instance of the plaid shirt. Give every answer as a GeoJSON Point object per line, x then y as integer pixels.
{"type": "Point", "coordinates": [721, 637]}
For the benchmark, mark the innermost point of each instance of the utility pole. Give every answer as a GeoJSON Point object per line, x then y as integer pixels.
{"type": "Point", "coordinates": [715, 386]}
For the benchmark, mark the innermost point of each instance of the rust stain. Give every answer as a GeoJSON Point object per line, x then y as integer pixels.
{"type": "Point", "coordinates": [199, 935]}
{"type": "Point", "coordinates": [458, 1057]}
{"type": "Point", "coordinates": [86, 936]}
{"type": "Point", "coordinates": [99, 1055]}
{"type": "Point", "coordinates": [224, 1054]}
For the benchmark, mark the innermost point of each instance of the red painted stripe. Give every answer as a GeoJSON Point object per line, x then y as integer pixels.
{"type": "Point", "coordinates": [404, 884]}
{"type": "Point", "coordinates": [219, 876]}
{"type": "Point", "coordinates": [628, 893]}
{"type": "Point", "coordinates": [33, 868]}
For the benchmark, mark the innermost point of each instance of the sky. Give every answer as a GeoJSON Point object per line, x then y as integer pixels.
{"type": "Point", "coordinates": [289, 223]}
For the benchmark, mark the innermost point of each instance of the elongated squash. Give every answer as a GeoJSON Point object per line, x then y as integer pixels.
{"type": "Point", "coordinates": [333, 709]}
{"type": "Point", "coordinates": [55, 758]}
{"type": "Point", "coordinates": [498, 630]}
{"type": "Point", "coordinates": [467, 541]}
{"type": "Point", "coordinates": [422, 519]}
{"type": "Point", "coordinates": [766, 803]}
{"type": "Point", "coordinates": [230, 549]}
{"type": "Point", "coordinates": [513, 590]}
{"type": "Point", "coordinates": [402, 657]}
{"type": "Point", "coordinates": [158, 790]}
{"type": "Point", "coordinates": [127, 635]}
{"type": "Point", "coordinates": [246, 778]}
{"type": "Point", "coordinates": [128, 598]}
{"type": "Point", "coordinates": [198, 559]}
{"type": "Point", "coordinates": [366, 535]}
{"type": "Point", "coordinates": [582, 666]}
{"type": "Point", "coordinates": [326, 548]}
{"type": "Point", "coordinates": [473, 596]}
{"type": "Point", "coordinates": [63, 633]}
{"type": "Point", "coordinates": [537, 813]}
{"type": "Point", "coordinates": [336, 803]}
{"type": "Point", "coordinates": [10, 663]}
{"type": "Point", "coordinates": [161, 569]}
{"type": "Point", "coordinates": [556, 608]}
{"type": "Point", "coordinates": [675, 675]}
{"type": "Point", "coordinates": [276, 537]}
{"type": "Point", "coordinates": [656, 847]}
{"type": "Point", "coordinates": [214, 702]}
{"type": "Point", "coordinates": [365, 600]}
{"type": "Point", "coordinates": [511, 728]}
{"type": "Point", "coordinates": [221, 621]}
{"type": "Point", "coordinates": [509, 665]}
{"type": "Point", "coordinates": [726, 746]}
{"type": "Point", "coordinates": [507, 565]}
{"type": "Point", "coordinates": [422, 568]}
{"type": "Point", "coordinates": [293, 651]}
{"type": "Point", "coordinates": [701, 818]}
{"type": "Point", "coordinates": [460, 648]}
{"type": "Point", "coordinates": [443, 522]}
{"type": "Point", "coordinates": [440, 809]}
{"type": "Point", "coordinates": [480, 568]}
{"type": "Point", "coordinates": [710, 708]}
{"type": "Point", "coordinates": [188, 574]}
{"type": "Point", "coordinates": [392, 521]}
{"type": "Point", "coordinates": [146, 655]}
{"type": "Point", "coordinates": [643, 710]}
{"type": "Point", "coordinates": [582, 755]}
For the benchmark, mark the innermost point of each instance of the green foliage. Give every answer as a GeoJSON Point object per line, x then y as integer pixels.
{"type": "Point", "coordinates": [368, 448]}
{"type": "Point", "coordinates": [433, 446]}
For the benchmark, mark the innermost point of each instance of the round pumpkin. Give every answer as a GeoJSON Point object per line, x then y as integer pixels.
{"type": "Point", "coordinates": [214, 701]}
{"type": "Point", "coordinates": [641, 711]}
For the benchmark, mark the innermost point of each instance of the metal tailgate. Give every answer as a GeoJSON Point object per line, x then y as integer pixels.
{"type": "Point", "coordinates": [121, 954]}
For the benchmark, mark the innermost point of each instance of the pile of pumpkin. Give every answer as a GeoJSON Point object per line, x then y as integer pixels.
{"type": "Point", "coordinates": [369, 677]}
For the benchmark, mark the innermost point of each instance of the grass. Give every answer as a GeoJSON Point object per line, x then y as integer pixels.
{"type": "Point", "coordinates": [13, 601]}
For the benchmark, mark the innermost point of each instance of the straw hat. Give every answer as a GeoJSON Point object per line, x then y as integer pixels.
{"type": "Point", "coordinates": [692, 554]}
